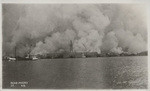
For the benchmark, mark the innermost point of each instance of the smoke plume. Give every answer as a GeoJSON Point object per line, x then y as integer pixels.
{"type": "Point", "coordinates": [43, 28]}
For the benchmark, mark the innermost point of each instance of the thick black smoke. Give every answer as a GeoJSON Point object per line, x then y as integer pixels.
{"type": "Point", "coordinates": [42, 28]}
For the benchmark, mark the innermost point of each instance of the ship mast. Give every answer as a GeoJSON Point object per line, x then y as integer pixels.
{"type": "Point", "coordinates": [71, 46]}
{"type": "Point", "coordinates": [15, 52]}
{"type": "Point", "coordinates": [16, 28]}
{"type": "Point", "coordinates": [30, 46]}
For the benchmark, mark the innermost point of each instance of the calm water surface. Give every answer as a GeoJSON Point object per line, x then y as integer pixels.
{"type": "Point", "coordinates": [79, 73]}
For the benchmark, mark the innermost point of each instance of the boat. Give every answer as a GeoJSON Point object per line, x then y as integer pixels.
{"type": "Point", "coordinates": [11, 59]}
{"type": "Point", "coordinates": [34, 58]}
{"type": "Point", "coordinates": [30, 57]}
{"type": "Point", "coordinates": [83, 56]}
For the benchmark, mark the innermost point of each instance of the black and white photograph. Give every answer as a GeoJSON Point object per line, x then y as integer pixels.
{"type": "Point", "coordinates": [74, 46]}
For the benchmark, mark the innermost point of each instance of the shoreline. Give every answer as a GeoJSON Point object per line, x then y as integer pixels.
{"type": "Point", "coordinates": [75, 58]}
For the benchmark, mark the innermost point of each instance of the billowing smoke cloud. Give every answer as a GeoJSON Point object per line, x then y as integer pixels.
{"type": "Point", "coordinates": [43, 29]}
